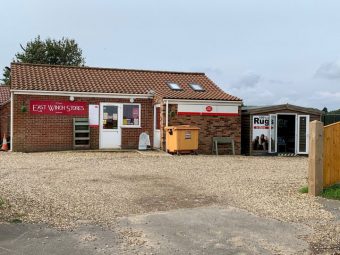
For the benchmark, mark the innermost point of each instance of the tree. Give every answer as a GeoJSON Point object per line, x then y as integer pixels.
{"type": "Point", "coordinates": [325, 110]}
{"type": "Point", "coordinates": [50, 51]}
{"type": "Point", "coordinates": [335, 112]}
{"type": "Point", "coordinates": [6, 74]}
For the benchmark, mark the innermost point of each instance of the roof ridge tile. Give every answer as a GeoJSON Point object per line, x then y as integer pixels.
{"type": "Point", "coordinates": [108, 68]}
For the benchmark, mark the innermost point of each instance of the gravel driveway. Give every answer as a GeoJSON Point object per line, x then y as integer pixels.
{"type": "Point", "coordinates": [67, 188]}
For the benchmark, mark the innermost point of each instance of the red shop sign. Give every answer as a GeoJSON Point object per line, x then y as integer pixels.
{"type": "Point", "coordinates": [58, 107]}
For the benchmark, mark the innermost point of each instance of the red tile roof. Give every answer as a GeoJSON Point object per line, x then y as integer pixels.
{"type": "Point", "coordinates": [5, 94]}
{"type": "Point", "coordinates": [105, 80]}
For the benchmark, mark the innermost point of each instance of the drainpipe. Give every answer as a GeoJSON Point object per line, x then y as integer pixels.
{"type": "Point", "coordinates": [166, 122]}
{"type": "Point", "coordinates": [11, 120]}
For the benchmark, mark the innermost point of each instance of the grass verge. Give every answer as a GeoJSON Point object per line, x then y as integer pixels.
{"type": "Point", "coordinates": [332, 192]}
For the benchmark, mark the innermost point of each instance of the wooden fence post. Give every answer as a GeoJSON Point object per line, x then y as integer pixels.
{"type": "Point", "coordinates": [315, 159]}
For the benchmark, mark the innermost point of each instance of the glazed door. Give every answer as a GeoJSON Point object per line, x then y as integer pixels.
{"type": "Point", "coordinates": [303, 134]}
{"type": "Point", "coordinates": [110, 126]}
{"type": "Point", "coordinates": [156, 127]}
{"type": "Point", "coordinates": [272, 133]}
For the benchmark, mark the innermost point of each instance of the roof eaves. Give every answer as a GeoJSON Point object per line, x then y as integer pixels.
{"type": "Point", "coordinates": [264, 109]}
{"type": "Point", "coordinates": [200, 99]}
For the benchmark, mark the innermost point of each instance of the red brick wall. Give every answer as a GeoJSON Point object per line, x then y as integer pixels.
{"type": "Point", "coordinates": [33, 132]}
{"type": "Point", "coordinates": [5, 112]}
{"type": "Point", "coordinates": [210, 126]}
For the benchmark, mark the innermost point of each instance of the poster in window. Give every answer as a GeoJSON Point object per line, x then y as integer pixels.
{"type": "Point", "coordinates": [94, 115]}
{"type": "Point", "coordinates": [135, 112]}
{"type": "Point", "coordinates": [260, 132]}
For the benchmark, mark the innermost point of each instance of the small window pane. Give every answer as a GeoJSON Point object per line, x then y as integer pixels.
{"type": "Point", "coordinates": [196, 87]}
{"type": "Point", "coordinates": [131, 115]}
{"type": "Point", "coordinates": [110, 117]}
{"type": "Point", "coordinates": [174, 86]}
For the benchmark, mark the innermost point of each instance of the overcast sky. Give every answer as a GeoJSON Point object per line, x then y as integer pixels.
{"type": "Point", "coordinates": [264, 51]}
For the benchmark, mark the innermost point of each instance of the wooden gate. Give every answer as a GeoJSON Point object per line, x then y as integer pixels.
{"type": "Point", "coordinates": [331, 154]}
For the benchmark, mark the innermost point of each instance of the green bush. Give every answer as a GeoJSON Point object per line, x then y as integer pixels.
{"type": "Point", "coordinates": [304, 189]}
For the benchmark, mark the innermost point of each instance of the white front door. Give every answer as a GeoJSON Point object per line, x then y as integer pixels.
{"type": "Point", "coordinates": [110, 126]}
{"type": "Point", "coordinates": [272, 133]}
{"type": "Point", "coordinates": [303, 134]}
{"type": "Point", "coordinates": [156, 127]}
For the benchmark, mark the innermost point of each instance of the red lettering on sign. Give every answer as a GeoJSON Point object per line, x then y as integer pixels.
{"type": "Point", "coordinates": [58, 107]}
{"type": "Point", "coordinates": [208, 108]}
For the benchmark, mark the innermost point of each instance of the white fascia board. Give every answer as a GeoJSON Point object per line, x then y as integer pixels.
{"type": "Point", "coordinates": [80, 94]}
{"type": "Point", "coordinates": [194, 102]}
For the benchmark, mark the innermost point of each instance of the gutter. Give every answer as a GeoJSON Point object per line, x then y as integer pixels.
{"type": "Point", "coordinates": [192, 101]}
{"type": "Point", "coordinates": [80, 94]}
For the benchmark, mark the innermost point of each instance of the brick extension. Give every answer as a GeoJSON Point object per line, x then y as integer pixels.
{"type": "Point", "coordinates": [210, 126]}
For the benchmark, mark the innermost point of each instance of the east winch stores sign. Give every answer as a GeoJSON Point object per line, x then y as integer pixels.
{"type": "Point", "coordinates": [58, 107]}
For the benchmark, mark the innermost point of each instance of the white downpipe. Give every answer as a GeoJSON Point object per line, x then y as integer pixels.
{"type": "Point", "coordinates": [166, 122]}
{"type": "Point", "coordinates": [11, 119]}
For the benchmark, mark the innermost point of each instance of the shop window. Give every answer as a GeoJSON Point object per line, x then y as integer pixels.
{"type": "Point", "coordinates": [131, 115]}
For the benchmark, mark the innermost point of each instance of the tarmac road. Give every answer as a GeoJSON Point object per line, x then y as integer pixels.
{"type": "Point", "coordinates": [205, 230]}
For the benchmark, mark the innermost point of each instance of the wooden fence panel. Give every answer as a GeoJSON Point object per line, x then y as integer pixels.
{"type": "Point", "coordinates": [331, 160]}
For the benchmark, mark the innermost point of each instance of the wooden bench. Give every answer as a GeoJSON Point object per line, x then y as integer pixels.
{"type": "Point", "coordinates": [222, 140]}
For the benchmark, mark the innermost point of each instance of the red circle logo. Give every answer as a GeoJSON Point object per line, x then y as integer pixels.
{"type": "Point", "coordinates": [208, 108]}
